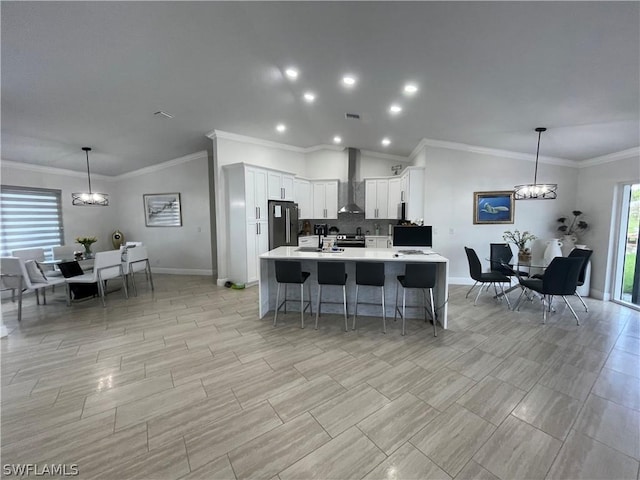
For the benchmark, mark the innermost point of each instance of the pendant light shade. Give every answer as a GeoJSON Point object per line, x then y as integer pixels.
{"type": "Point", "coordinates": [89, 199]}
{"type": "Point", "coordinates": [535, 190]}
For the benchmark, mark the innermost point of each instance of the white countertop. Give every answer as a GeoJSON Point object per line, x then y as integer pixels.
{"type": "Point", "coordinates": [352, 254]}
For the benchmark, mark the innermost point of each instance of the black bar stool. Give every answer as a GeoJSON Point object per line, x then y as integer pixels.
{"type": "Point", "coordinates": [370, 274]}
{"type": "Point", "coordinates": [422, 276]}
{"type": "Point", "coordinates": [291, 272]}
{"type": "Point", "coordinates": [332, 273]}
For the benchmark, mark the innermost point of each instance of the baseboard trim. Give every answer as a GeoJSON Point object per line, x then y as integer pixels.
{"type": "Point", "coordinates": [182, 271]}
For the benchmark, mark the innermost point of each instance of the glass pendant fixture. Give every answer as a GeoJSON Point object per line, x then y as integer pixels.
{"type": "Point", "coordinates": [535, 190]}
{"type": "Point", "coordinates": [89, 199]}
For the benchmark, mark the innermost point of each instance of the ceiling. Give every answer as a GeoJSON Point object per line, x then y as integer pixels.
{"type": "Point", "coordinates": [94, 73]}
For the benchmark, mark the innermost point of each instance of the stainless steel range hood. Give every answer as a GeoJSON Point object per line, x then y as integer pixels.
{"type": "Point", "coordinates": [351, 206]}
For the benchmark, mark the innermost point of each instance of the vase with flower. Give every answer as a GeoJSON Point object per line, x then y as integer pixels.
{"type": "Point", "coordinates": [520, 240]}
{"type": "Point", "coordinates": [86, 242]}
{"type": "Point", "coordinates": [570, 229]}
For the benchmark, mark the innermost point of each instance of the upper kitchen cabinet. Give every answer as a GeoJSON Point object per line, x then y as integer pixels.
{"type": "Point", "coordinates": [325, 199]}
{"type": "Point", "coordinates": [376, 193]}
{"type": "Point", "coordinates": [302, 196]}
{"type": "Point", "coordinates": [280, 186]}
{"type": "Point", "coordinates": [395, 193]}
{"type": "Point", "coordinates": [412, 192]}
{"type": "Point", "coordinates": [255, 190]}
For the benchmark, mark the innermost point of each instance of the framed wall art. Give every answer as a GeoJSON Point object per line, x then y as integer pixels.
{"type": "Point", "coordinates": [493, 207]}
{"type": "Point", "coordinates": [162, 210]}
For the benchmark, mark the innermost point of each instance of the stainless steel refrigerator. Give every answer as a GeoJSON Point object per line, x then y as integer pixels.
{"type": "Point", "coordinates": [283, 224]}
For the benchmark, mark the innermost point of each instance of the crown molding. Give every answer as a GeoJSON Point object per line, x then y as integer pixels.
{"type": "Point", "coordinates": [252, 140]}
{"type": "Point", "coordinates": [385, 156]}
{"type": "Point", "coordinates": [162, 166]}
{"type": "Point", "coordinates": [495, 152]}
{"type": "Point", "coordinates": [52, 170]}
{"type": "Point", "coordinates": [611, 157]}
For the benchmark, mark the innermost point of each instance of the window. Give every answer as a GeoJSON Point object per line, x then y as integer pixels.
{"type": "Point", "coordinates": [31, 218]}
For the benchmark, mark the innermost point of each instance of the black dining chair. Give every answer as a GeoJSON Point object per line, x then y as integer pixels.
{"type": "Point", "coordinates": [586, 256]}
{"type": "Point", "coordinates": [500, 254]}
{"type": "Point", "coordinates": [560, 279]}
{"type": "Point", "coordinates": [486, 278]}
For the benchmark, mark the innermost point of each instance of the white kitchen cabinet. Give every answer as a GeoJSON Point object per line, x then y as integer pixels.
{"type": "Point", "coordinates": [257, 244]}
{"type": "Point", "coordinates": [280, 186]}
{"type": "Point", "coordinates": [325, 199]}
{"type": "Point", "coordinates": [412, 193]}
{"type": "Point", "coordinates": [377, 242]}
{"type": "Point", "coordinates": [395, 193]}
{"type": "Point", "coordinates": [247, 220]}
{"type": "Point", "coordinates": [376, 199]}
{"type": "Point", "coordinates": [302, 196]}
{"type": "Point", "coordinates": [255, 185]}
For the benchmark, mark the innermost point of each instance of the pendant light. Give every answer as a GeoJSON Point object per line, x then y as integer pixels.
{"type": "Point", "coordinates": [89, 199]}
{"type": "Point", "coordinates": [536, 191]}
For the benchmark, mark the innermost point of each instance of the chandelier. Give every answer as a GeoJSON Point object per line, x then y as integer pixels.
{"type": "Point", "coordinates": [536, 191]}
{"type": "Point", "coordinates": [89, 199]}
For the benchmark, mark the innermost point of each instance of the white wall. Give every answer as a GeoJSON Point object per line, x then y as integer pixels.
{"type": "Point", "coordinates": [452, 177]}
{"type": "Point", "coordinates": [228, 151]}
{"type": "Point", "coordinates": [172, 249]}
{"type": "Point", "coordinates": [77, 221]}
{"type": "Point", "coordinates": [185, 249]}
{"type": "Point", "coordinates": [597, 197]}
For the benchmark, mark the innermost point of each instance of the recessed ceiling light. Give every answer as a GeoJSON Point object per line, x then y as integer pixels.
{"type": "Point", "coordinates": [395, 109]}
{"type": "Point", "coordinates": [349, 80]}
{"type": "Point", "coordinates": [281, 127]}
{"type": "Point", "coordinates": [386, 142]}
{"type": "Point", "coordinates": [410, 88]}
{"type": "Point", "coordinates": [291, 72]}
{"type": "Point", "coordinates": [337, 139]}
{"type": "Point", "coordinates": [309, 97]}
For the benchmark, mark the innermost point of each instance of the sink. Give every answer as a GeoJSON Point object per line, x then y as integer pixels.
{"type": "Point", "coordinates": [308, 249]}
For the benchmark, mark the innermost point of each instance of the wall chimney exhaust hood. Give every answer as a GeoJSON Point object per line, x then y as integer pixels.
{"type": "Point", "coordinates": [351, 206]}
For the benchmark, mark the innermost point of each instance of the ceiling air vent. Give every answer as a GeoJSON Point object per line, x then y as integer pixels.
{"type": "Point", "coordinates": [354, 116]}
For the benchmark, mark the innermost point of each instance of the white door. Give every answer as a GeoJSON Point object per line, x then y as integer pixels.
{"type": "Point", "coordinates": [287, 187]}
{"type": "Point", "coordinates": [274, 181]}
{"type": "Point", "coordinates": [393, 204]}
{"type": "Point", "coordinates": [382, 194]}
{"type": "Point", "coordinates": [318, 200]}
{"type": "Point", "coordinates": [331, 200]}
{"type": "Point", "coordinates": [261, 194]}
{"type": "Point", "coordinates": [250, 194]}
{"type": "Point", "coordinates": [302, 196]}
{"type": "Point", "coordinates": [370, 199]}
{"type": "Point", "coordinates": [252, 251]}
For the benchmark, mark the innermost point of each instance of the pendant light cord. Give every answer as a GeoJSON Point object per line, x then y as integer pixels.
{"type": "Point", "coordinates": [535, 175]}
{"type": "Point", "coordinates": [86, 149]}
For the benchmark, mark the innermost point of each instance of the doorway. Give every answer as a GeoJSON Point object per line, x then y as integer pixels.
{"type": "Point", "coordinates": [627, 285]}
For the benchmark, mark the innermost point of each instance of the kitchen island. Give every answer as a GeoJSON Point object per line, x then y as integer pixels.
{"type": "Point", "coordinates": [394, 266]}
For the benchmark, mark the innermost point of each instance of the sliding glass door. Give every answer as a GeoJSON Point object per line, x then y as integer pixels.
{"type": "Point", "coordinates": [627, 285]}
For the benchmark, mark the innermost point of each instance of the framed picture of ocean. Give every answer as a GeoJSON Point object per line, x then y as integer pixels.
{"type": "Point", "coordinates": [493, 207]}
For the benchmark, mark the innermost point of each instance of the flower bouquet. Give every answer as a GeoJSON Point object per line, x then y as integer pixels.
{"type": "Point", "coordinates": [520, 240]}
{"type": "Point", "coordinates": [86, 242]}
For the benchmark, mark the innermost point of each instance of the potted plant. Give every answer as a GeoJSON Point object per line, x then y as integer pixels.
{"type": "Point", "coordinates": [520, 240]}
{"type": "Point", "coordinates": [570, 230]}
{"type": "Point", "coordinates": [86, 242]}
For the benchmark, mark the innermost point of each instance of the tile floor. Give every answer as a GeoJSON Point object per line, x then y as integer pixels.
{"type": "Point", "coordinates": [188, 383]}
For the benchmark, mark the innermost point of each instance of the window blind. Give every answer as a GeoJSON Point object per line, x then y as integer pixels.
{"type": "Point", "coordinates": [30, 218]}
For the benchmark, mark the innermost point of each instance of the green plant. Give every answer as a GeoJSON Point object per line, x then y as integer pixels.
{"type": "Point", "coordinates": [518, 238]}
{"type": "Point", "coordinates": [576, 226]}
{"type": "Point", "coordinates": [86, 241]}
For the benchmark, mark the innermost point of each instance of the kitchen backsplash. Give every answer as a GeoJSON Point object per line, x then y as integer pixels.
{"type": "Point", "coordinates": [349, 222]}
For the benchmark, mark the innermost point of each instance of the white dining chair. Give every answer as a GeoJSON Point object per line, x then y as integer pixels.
{"type": "Point", "coordinates": [15, 277]}
{"type": "Point", "coordinates": [137, 260]}
{"type": "Point", "coordinates": [64, 252]}
{"type": "Point", "coordinates": [38, 255]}
{"type": "Point", "coordinates": [107, 266]}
